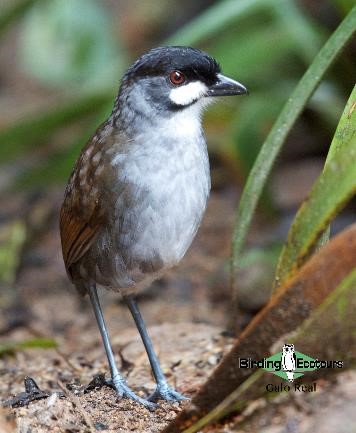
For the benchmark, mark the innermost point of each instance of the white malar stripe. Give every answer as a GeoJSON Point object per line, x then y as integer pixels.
{"type": "Point", "coordinates": [185, 95]}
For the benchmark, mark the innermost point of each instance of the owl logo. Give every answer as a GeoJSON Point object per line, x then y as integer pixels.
{"type": "Point", "coordinates": [288, 361]}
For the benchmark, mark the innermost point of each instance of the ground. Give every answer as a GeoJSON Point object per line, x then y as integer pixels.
{"type": "Point", "coordinates": [185, 322]}
{"type": "Point", "coordinates": [187, 316]}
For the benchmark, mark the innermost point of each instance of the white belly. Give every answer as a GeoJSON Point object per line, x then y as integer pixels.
{"type": "Point", "coordinates": [173, 184]}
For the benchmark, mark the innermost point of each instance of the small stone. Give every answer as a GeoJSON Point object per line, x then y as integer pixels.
{"type": "Point", "coordinates": [100, 426]}
{"type": "Point", "coordinates": [52, 400]}
{"type": "Point", "coordinates": [212, 360]}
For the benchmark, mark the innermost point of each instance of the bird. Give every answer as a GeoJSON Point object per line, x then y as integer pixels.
{"type": "Point", "coordinates": [138, 190]}
{"type": "Point", "coordinates": [289, 361]}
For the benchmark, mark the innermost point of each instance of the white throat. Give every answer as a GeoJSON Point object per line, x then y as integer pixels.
{"type": "Point", "coordinates": [187, 122]}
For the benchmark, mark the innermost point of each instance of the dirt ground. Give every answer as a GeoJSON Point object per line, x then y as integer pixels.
{"type": "Point", "coordinates": [188, 353]}
{"type": "Point", "coordinates": [186, 313]}
{"type": "Point", "coordinates": [185, 322]}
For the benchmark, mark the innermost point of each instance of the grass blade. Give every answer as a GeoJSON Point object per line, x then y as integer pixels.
{"type": "Point", "coordinates": [271, 147]}
{"type": "Point", "coordinates": [223, 408]}
{"type": "Point", "coordinates": [35, 343]}
{"type": "Point", "coordinates": [216, 18]}
{"type": "Point", "coordinates": [300, 29]}
{"type": "Point", "coordinates": [334, 187]}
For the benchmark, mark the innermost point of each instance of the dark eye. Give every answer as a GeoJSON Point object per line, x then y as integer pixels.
{"type": "Point", "coordinates": [177, 78]}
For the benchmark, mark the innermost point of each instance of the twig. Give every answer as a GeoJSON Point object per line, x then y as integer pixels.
{"type": "Point", "coordinates": [69, 363]}
{"type": "Point", "coordinates": [74, 399]}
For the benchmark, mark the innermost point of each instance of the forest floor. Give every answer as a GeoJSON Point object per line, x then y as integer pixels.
{"type": "Point", "coordinates": [186, 313]}
{"type": "Point", "coordinates": [185, 322]}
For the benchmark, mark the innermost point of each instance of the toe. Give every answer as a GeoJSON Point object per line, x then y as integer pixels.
{"type": "Point", "coordinates": [168, 394]}
{"type": "Point", "coordinates": [146, 403]}
{"type": "Point", "coordinates": [124, 391]}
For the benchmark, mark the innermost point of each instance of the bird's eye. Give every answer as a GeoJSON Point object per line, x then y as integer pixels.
{"type": "Point", "coordinates": [177, 78]}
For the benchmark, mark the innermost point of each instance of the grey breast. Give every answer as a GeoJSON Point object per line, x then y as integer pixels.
{"type": "Point", "coordinates": [156, 205]}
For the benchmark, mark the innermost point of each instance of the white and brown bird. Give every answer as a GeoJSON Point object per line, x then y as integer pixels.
{"type": "Point", "coordinates": [139, 188]}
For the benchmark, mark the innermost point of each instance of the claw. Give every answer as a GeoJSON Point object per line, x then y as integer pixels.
{"type": "Point", "coordinates": [120, 387]}
{"type": "Point", "coordinates": [125, 392]}
{"type": "Point", "coordinates": [165, 392]}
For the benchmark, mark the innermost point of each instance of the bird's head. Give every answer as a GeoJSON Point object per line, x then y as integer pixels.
{"type": "Point", "coordinates": [167, 80]}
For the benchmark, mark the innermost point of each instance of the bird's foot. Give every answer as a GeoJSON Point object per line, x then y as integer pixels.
{"type": "Point", "coordinates": [125, 392]}
{"type": "Point", "coordinates": [165, 392]}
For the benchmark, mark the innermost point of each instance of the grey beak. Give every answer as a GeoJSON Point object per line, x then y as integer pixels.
{"type": "Point", "coordinates": [226, 86]}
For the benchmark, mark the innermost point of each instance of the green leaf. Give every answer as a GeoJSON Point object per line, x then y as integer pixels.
{"type": "Point", "coordinates": [273, 144]}
{"type": "Point", "coordinates": [270, 46]}
{"type": "Point", "coordinates": [14, 12]}
{"type": "Point", "coordinates": [257, 114]}
{"type": "Point", "coordinates": [55, 169]}
{"type": "Point", "coordinates": [34, 343]}
{"type": "Point", "coordinates": [216, 18]}
{"type": "Point", "coordinates": [300, 29]}
{"type": "Point", "coordinates": [66, 42]}
{"type": "Point", "coordinates": [31, 133]}
{"type": "Point", "coordinates": [334, 317]}
{"type": "Point", "coordinates": [332, 190]}
{"type": "Point", "coordinates": [345, 131]}
{"type": "Point", "coordinates": [58, 165]}
{"type": "Point", "coordinates": [234, 401]}
{"type": "Point", "coordinates": [12, 239]}
{"type": "Point", "coordinates": [344, 6]}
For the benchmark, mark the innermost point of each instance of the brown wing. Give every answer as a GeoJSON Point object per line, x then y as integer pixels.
{"type": "Point", "coordinates": [82, 210]}
{"type": "Point", "coordinates": [77, 236]}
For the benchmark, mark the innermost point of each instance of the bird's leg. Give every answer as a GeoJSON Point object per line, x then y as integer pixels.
{"type": "Point", "coordinates": [117, 381]}
{"type": "Point", "coordinates": [163, 390]}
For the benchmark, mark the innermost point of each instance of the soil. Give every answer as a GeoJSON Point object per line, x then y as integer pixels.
{"type": "Point", "coordinates": [187, 326]}
{"type": "Point", "coordinates": [186, 313]}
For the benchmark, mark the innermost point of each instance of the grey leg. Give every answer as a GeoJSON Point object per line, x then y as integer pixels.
{"type": "Point", "coordinates": [117, 380]}
{"type": "Point", "coordinates": [163, 390]}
